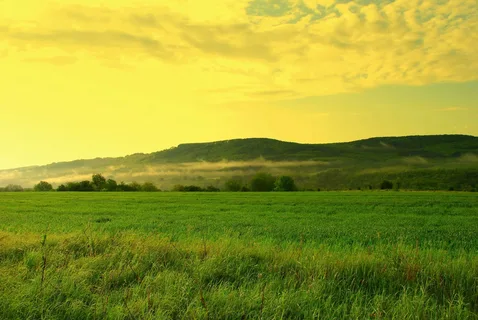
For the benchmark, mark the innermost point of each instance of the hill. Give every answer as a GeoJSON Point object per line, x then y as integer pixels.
{"type": "Point", "coordinates": [441, 146]}
{"type": "Point", "coordinates": [334, 165]}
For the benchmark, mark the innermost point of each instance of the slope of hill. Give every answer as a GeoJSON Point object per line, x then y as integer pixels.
{"type": "Point", "coordinates": [374, 148]}
{"type": "Point", "coordinates": [334, 164]}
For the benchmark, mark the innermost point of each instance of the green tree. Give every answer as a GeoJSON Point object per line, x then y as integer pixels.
{"type": "Point", "coordinates": [134, 186]}
{"type": "Point", "coordinates": [285, 183]}
{"type": "Point", "coordinates": [111, 185]}
{"type": "Point", "coordinates": [262, 182]}
{"type": "Point", "coordinates": [386, 185]}
{"type": "Point", "coordinates": [211, 188]}
{"type": "Point", "coordinates": [73, 186]}
{"type": "Point", "coordinates": [193, 188]}
{"type": "Point", "coordinates": [233, 184]}
{"type": "Point", "coordinates": [86, 186]}
{"type": "Point", "coordinates": [178, 188]}
{"type": "Point", "coordinates": [13, 188]}
{"type": "Point", "coordinates": [98, 182]}
{"type": "Point", "coordinates": [43, 186]}
{"type": "Point", "coordinates": [149, 187]}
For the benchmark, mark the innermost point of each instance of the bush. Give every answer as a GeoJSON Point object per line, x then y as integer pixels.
{"type": "Point", "coordinates": [212, 189]}
{"type": "Point", "coordinates": [133, 186]}
{"type": "Point", "coordinates": [98, 182]}
{"type": "Point", "coordinates": [386, 185]}
{"type": "Point", "coordinates": [43, 186]}
{"type": "Point", "coordinates": [111, 185]}
{"type": "Point", "coordinates": [285, 183]}
{"type": "Point", "coordinates": [86, 186]}
{"type": "Point", "coordinates": [193, 189]}
{"type": "Point", "coordinates": [262, 182]}
{"type": "Point", "coordinates": [233, 184]}
{"type": "Point", "coordinates": [181, 188]}
{"type": "Point", "coordinates": [178, 188]}
{"type": "Point", "coordinates": [13, 188]}
{"type": "Point", "coordinates": [149, 187]}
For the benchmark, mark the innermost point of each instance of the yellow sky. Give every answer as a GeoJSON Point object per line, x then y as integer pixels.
{"type": "Point", "coordinates": [80, 80]}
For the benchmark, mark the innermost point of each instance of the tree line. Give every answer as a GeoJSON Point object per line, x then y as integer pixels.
{"type": "Point", "coordinates": [100, 183]}
{"type": "Point", "coordinates": [264, 182]}
{"type": "Point", "coordinates": [261, 182]}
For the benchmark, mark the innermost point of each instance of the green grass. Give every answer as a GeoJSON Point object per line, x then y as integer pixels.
{"type": "Point", "coordinates": [351, 255]}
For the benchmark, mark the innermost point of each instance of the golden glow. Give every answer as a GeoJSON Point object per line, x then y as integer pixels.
{"type": "Point", "coordinates": [80, 80]}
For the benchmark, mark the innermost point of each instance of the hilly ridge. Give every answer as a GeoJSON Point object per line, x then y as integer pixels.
{"type": "Point", "coordinates": [332, 165]}
{"type": "Point", "coordinates": [441, 146]}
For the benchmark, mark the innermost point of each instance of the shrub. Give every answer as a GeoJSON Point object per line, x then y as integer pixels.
{"type": "Point", "coordinates": [233, 184]}
{"type": "Point", "coordinates": [193, 188]}
{"type": "Point", "coordinates": [111, 185]}
{"type": "Point", "coordinates": [149, 187]}
{"type": "Point", "coordinates": [13, 188]}
{"type": "Point", "coordinates": [386, 185]}
{"type": "Point", "coordinates": [285, 183]}
{"type": "Point", "coordinates": [133, 186]}
{"type": "Point", "coordinates": [43, 186]}
{"type": "Point", "coordinates": [181, 188]}
{"type": "Point", "coordinates": [262, 182]}
{"type": "Point", "coordinates": [98, 182]}
{"type": "Point", "coordinates": [178, 188]}
{"type": "Point", "coordinates": [86, 186]}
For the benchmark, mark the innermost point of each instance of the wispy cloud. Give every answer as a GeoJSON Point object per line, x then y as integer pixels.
{"type": "Point", "coordinates": [57, 60]}
{"type": "Point", "coordinates": [320, 46]}
{"type": "Point", "coordinates": [454, 109]}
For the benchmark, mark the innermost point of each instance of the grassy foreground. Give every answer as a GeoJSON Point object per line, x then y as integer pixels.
{"type": "Point", "coordinates": [354, 255]}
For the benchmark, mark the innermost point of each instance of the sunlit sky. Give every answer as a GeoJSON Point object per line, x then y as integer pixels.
{"type": "Point", "coordinates": [85, 79]}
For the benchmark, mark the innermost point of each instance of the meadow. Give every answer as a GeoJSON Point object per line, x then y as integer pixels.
{"type": "Point", "coordinates": [302, 255]}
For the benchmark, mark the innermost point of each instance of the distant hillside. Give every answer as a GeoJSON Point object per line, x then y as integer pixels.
{"type": "Point", "coordinates": [337, 165]}
{"type": "Point", "coordinates": [441, 146]}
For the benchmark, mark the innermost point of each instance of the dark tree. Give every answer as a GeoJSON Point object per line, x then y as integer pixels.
{"type": "Point", "coordinates": [86, 186]}
{"type": "Point", "coordinates": [111, 185]}
{"type": "Point", "coordinates": [285, 183]}
{"type": "Point", "coordinates": [135, 186]}
{"type": "Point", "coordinates": [193, 188]}
{"type": "Point", "coordinates": [233, 184]}
{"type": "Point", "coordinates": [149, 187]}
{"type": "Point", "coordinates": [212, 189]}
{"type": "Point", "coordinates": [43, 186]}
{"type": "Point", "coordinates": [178, 187]}
{"type": "Point", "coordinates": [13, 188]}
{"type": "Point", "coordinates": [98, 182]}
{"type": "Point", "coordinates": [386, 185]}
{"type": "Point", "coordinates": [62, 187]}
{"type": "Point", "coordinates": [262, 182]}
{"type": "Point", "coordinates": [73, 186]}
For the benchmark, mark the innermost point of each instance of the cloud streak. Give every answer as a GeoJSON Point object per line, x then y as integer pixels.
{"type": "Point", "coordinates": [309, 47]}
{"type": "Point", "coordinates": [453, 109]}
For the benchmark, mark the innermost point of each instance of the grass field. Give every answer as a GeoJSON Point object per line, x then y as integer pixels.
{"type": "Point", "coordinates": [327, 255]}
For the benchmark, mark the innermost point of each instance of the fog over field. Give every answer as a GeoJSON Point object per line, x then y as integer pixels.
{"type": "Point", "coordinates": [164, 175]}
{"type": "Point", "coordinates": [414, 162]}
